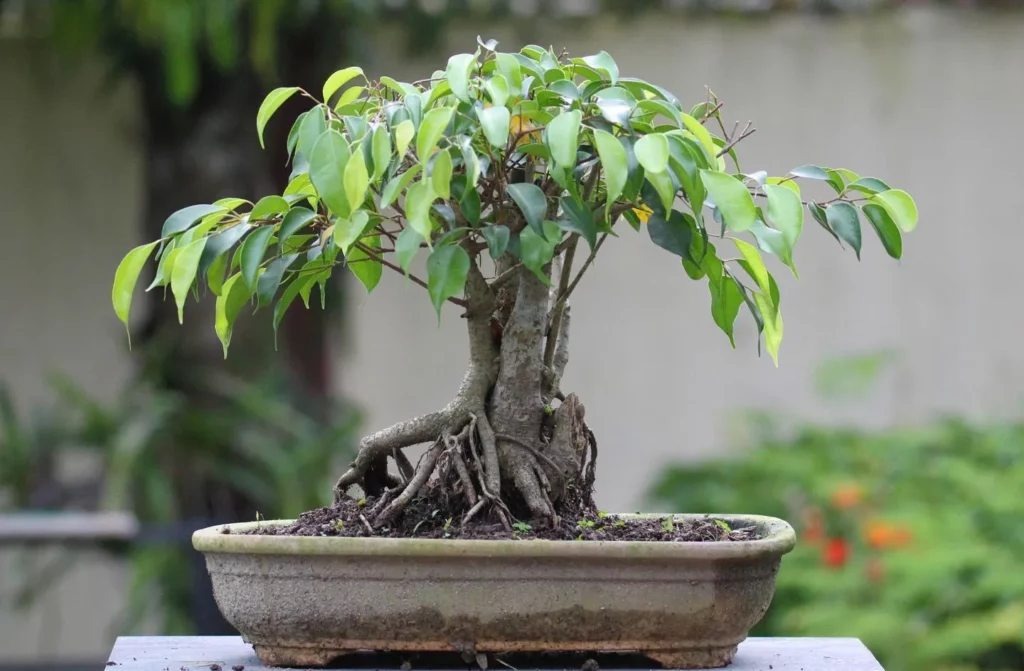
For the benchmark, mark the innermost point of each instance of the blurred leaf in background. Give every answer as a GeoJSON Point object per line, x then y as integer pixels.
{"type": "Point", "coordinates": [909, 539]}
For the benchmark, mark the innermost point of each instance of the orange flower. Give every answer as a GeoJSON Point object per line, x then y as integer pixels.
{"type": "Point", "coordinates": [847, 496]}
{"type": "Point", "coordinates": [875, 569]}
{"type": "Point", "coordinates": [879, 535]}
{"type": "Point", "coordinates": [836, 553]}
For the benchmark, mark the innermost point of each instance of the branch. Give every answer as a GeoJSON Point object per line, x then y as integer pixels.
{"type": "Point", "coordinates": [747, 132]}
{"type": "Point", "coordinates": [586, 264]}
{"type": "Point", "coordinates": [559, 307]}
{"type": "Point", "coordinates": [372, 254]}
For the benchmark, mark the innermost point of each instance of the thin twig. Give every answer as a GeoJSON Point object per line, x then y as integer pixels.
{"type": "Point", "coordinates": [586, 264]}
{"type": "Point", "coordinates": [747, 132]}
{"type": "Point", "coordinates": [369, 529]}
{"type": "Point", "coordinates": [371, 253]}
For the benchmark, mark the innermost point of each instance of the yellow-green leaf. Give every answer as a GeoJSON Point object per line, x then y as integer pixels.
{"type": "Point", "coordinates": [381, 151]}
{"type": "Point", "coordinates": [755, 265]}
{"type": "Point", "coordinates": [339, 79]}
{"type": "Point", "coordinates": [900, 206]}
{"type": "Point", "coordinates": [703, 136]}
{"type": "Point", "coordinates": [731, 198]}
{"type": "Point", "coordinates": [404, 133]}
{"type": "Point", "coordinates": [356, 180]}
{"type": "Point", "coordinates": [614, 163]}
{"type": "Point", "coordinates": [563, 138]}
{"type": "Point", "coordinates": [495, 121]}
{"type": "Point", "coordinates": [347, 231]}
{"type": "Point", "coordinates": [125, 278]}
{"type": "Point", "coordinates": [441, 175]}
{"type": "Point", "coordinates": [270, 104]}
{"type": "Point", "coordinates": [460, 66]}
{"type": "Point", "coordinates": [368, 270]}
{"type": "Point", "coordinates": [183, 274]}
{"type": "Point", "coordinates": [772, 325]}
{"type": "Point", "coordinates": [232, 299]}
{"type": "Point", "coordinates": [431, 129]}
{"type": "Point", "coordinates": [418, 198]}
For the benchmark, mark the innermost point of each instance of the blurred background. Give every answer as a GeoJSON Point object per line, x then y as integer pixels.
{"type": "Point", "coordinates": [891, 436]}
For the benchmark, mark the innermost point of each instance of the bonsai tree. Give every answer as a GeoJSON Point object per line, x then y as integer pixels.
{"type": "Point", "coordinates": [508, 172]}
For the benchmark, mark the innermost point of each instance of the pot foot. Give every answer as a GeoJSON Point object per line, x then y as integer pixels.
{"type": "Point", "coordinates": [702, 658]}
{"type": "Point", "coordinates": [287, 656]}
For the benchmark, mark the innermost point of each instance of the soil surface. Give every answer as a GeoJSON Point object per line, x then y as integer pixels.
{"type": "Point", "coordinates": [426, 519]}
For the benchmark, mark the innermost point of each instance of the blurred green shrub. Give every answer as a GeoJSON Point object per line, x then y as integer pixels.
{"type": "Point", "coordinates": [227, 452]}
{"type": "Point", "coordinates": [911, 540]}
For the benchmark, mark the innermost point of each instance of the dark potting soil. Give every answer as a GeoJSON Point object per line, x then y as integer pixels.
{"type": "Point", "coordinates": [421, 519]}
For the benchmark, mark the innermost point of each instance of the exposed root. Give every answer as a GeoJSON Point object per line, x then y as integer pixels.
{"type": "Point", "coordinates": [404, 465]}
{"type": "Point", "coordinates": [424, 469]}
{"type": "Point", "coordinates": [538, 455]}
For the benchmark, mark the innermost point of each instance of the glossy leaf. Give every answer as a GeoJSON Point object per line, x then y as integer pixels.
{"type": "Point", "coordinates": [327, 163]}
{"type": "Point", "coordinates": [339, 79]}
{"type": "Point", "coordinates": [604, 63]}
{"type": "Point", "coordinates": [842, 218]}
{"type": "Point", "coordinates": [270, 279]}
{"type": "Point", "coordinates": [472, 163]}
{"type": "Point", "coordinates": [253, 249]}
{"type": "Point", "coordinates": [447, 270]}
{"type": "Point", "coordinates": [184, 218]}
{"type": "Point", "coordinates": [349, 96]}
{"type": "Point", "coordinates": [509, 67]}
{"type": "Point", "coordinates": [407, 244]}
{"type": "Point", "coordinates": [418, 199]}
{"type": "Point", "coordinates": [652, 152]}
{"type": "Point", "coordinates": [613, 163]}
{"type": "Point", "coordinates": [563, 138]}
{"type": "Point", "coordinates": [786, 212]}
{"type": "Point", "coordinates": [288, 296]}
{"type": "Point", "coordinates": [441, 174]}
{"type": "Point", "coordinates": [363, 265]}
{"type": "Point", "coordinates": [183, 273]}
{"type": "Point", "coordinates": [731, 198]}
{"type": "Point", "coordinates": [431, 129]}
{"type": "Point", "coordinates": [887, 230]}
{"type": "Point", "coordinates": [381, 151]}
{"type": "Point", "coordinates": [663, 108]}
{"type": "Point", "coordinates": [818, 214]}
{"type": "Point", "coordinates": [810, 172]}
{"type": "Point", "coordinates": [404, 133]}
{"type": "Point", "coordinates": [294, 221]}
{"type": "Point", "coordinates": [674, 233]}
{"type": "Point", "coordinates": [755, 265]}
{"type": "Point", "coordinates": [868, 185]}
{"type": "Point", "coordinates": [774, 242]}
{"type": "Point", "coordinates": [399, 184]}
{"type": "Point", "coordinates": [313, 126]}
{"type": "Point", "coordinates": [232, 299]}
{"type": "Point", "coordinates": [495, 122]}
{"type": "Point", "coordinates": [665, 188]}
{"type": "Point", "coordinates": [532, 203]}
{"type": "Point", "coordinates": [267, 207]}
{"type": "Point", "coordinates": [497, 238]}
{"type": "Point", "coordinates": [579, 219]}
{"type": "Point", "coordinates": [458, 73]}
{"type": "Point", "coordinates": [348, 231]}
{"type": "Point", "coordinates": [707, 143]}
{"type": "Point", "coordinates": [270, 104]}
{"type": "Point", "coordinates": [900, 206]}
{"type": "Point", "coordinates": [772, 325]}
{"type": "Point", "coordinates": [497, 90]}
{"type": "Point", "coordinates": [126, 277]}
{"type": "Point", "coordinates": [220, 242]}
{"type": "Point", "coordinates": [536, 250]}
{"type": "Point", "coordinates": [357, 180]}
{"type": "Point", "coordinates": [615, 111]}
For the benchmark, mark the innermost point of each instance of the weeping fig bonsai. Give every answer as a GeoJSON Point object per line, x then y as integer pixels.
{"type": "Point", "coordinates": [509, 172]}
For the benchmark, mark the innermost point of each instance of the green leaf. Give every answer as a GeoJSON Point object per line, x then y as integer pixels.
{"type": "Point", "coordinates": [497, 238]}
{"type": "Point", "coordinates": [125, 278]}
{"type": "Point", "coordinates": [615, 111]}
{"type": "Point", "coordinates": [755, 265]}
{"type": "Point", "coordinates": [296, 218]}
{"type": "Point", "coordinates": [614, 162]}
{"type": "Point", "coordinates": [663, 108]}
{"type": "Point", "coordinates": [183, 273]}
{"type": "Point", "coordinates": [418, 199]}
{"type": "Point", "coordinates": [685, 161]}
{"type": "Point", "coordinates": [339, 79]}
{"type": "Point", "coordinates": [291, 292]}
{"type": "Point", "coordinates": [726, 294]}
{"type": "Point", "coordinates": [818, 214]}
{"type": "Point", "coordinates": [472, 163]}
{"type": "Point", "coordinates": [774, 242]}
{"type": "Point", "coordinates": [603, 61]}
{"type": "Point", "coordinates": [842, 218]}
{"type": "Point", "coordinates": [253, 249]}
{"type": "Point", "coordinates": [580, 220]}
{"type": "Point", "coordinates": [431, 129]}
{"type": "Point", "coordinates": [381, 151]}
{"type": "Point", "coordinates": [772, 325]}
{"type": "Point", "coordinates": [460, 67]}
{"type": "Point", "coordinates": [441, 175]}
{"type": "Point", "coordinates": [221, 242]}
{"type": "Point", "coordinates": [397, 185]}
{"type": "Point", "coordinates": [349, 96]}
{"type": "Point", "coordinates": [563, 138]}
{"type": "Point", "coordinates": [703, 137]}
{"type": "Point", "coordinates": [652, 152]}
{"type": "Point", "coordinates": [509, 67]}
{"type": "Point", "coordinates": [184, 218]}
{"type": "Point", "coordinates": [215, 274]}
{"type": "Point", "coordinates": [270, 104]}
{"type": "Point", "coordinates": [495, 121]}
{"type": "Point", "coordinates": [447, 270]}
{"type": "Point", "coordinates": [731, 198]}
{"type": "Point", "coordinates": [900, 206]}
{"type": "Point", "coordinates": [313, 126]}
{"type": "Point", "coordinates": [886, 229]}
{"type": "Point", "coordinates": [401, 88]}
{"type": "Point", "coordinates": [673, 234]}
{"type": "Point", "coordinates": [407, 244]}
{"type": "Point", "coordinates": [868, 185]}
{"type": "Point", "coordinates": [786, 212]}
{"type": "Point", "coordinates": [327, 163]}
{"type": "Point", "coordinates": [404, 133]}
{"type": "Point", "coordinates": [268, 206]}
{"type": "Point", "coordinates": [810, 172]}
{"type": "Point", "coordinates": [470, 206]}
{"type": "Point", "coordinates": [368, 270]}
{"type": "Point", "coordinates": [497, 89]}
{"type": "Point", "coordinates": [664, 186]}
{"type": "Point", "coordinates": [270, 279]}
{"type": "Point", "coordinates": [532, 203]}
{"type": "Point", "coordinates": [536, 250]}
{"type": "Point", "coordinates": [356, 179]}
{"type": "Point", "coordinates": [229, 305]}
{"type": "Point", "coordinates": [348, 231]}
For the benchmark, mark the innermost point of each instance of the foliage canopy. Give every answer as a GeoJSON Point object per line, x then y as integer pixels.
{"type": "Point", "coordinates": [519, 154]}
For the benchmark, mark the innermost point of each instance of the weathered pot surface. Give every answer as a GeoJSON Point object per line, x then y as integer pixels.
{"type": "Point", "coordinates": [306, 601]}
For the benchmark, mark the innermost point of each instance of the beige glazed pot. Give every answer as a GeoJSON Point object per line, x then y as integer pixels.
{"type": "Point", "coordinates": [306, 601]}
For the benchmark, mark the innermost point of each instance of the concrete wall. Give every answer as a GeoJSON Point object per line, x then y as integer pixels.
{"type": "Point", "coordinates": [931, 101]}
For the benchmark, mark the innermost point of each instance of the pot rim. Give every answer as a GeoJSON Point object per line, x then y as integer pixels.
{"type": "Point", "coordinates": [779, 539]}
